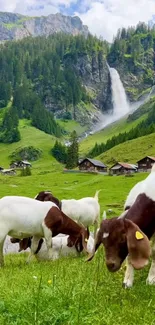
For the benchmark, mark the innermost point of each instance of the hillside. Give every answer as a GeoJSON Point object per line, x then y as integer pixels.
{"type": "Point", "coordinates": [108, 132]}
{"type": "Point", "coordinates": [30, 136]}
{"type": "Point", "coordinates": [16, 26]}
{"type": "Point", "coordinates": [130, 151]}
{"type": "Point", "coordinates": [132, 54]}
{"type": "Point", "coordinates": [63, 74]}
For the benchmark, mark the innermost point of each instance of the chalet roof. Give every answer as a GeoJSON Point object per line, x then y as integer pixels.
{"type": "Point", "coordinates": [150, 157]}
{"type": "Point", "coordinates": [96, 163]}
{"type": "Point", "coordinates": [7, 170]}
{"type": "Point", "coordinates": [118, 165]}
{"type": "Point", "coordinates": [25, 162]}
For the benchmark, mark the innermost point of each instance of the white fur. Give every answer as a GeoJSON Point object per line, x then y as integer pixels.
{"type": "Point", "coordinates": [60, 248]}
{"type": "Point", "coordinates": [146, 186]}
{"type": "Point", "coordinates": [129, 275]}
{"type": "Point", "coordinates": [85, 211]}
{"type": "Point", "coordinates": [22, 217]}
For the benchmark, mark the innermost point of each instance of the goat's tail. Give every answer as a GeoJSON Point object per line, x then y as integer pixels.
{"type": "Point", "coordinates": [153, 168]}
{"type": "Point", "coordinates": [96, 195]}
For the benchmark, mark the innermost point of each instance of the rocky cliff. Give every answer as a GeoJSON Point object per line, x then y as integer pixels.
{"type": "Point", "coordinates": [16, 26]}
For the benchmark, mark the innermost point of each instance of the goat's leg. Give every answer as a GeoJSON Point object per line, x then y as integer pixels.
{"type": "Point", "coordinates": [48, 240]}
{"type": "Point", "coordinates": [95, 227]}
{"type": "Point", "coordinates": [1, 251]}
{"type": "Point", "coordinates": [34, 246]}
{"type": "Point", "coordinates": [129, 275]}
{"type": "Point", "coordinates": [151, 276]}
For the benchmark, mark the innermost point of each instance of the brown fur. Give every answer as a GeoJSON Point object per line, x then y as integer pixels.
{"type": "Point", "coordinates": [58, 222]}
{"type": "Point", "coordinates": [141, 214]}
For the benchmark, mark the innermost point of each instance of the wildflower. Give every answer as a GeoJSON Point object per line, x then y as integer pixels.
{"type": "Point", "coordinates": [49, 281]}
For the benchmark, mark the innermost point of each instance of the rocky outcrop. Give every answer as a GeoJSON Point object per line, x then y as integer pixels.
{"type": "Point", "coordinates": [93, 71]}
{"type": "Point", "coordinates": [16, 26]}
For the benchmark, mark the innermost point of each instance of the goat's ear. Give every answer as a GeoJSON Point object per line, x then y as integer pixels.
{"type": "Point", "coordinates": [138, 245]}
{"type": "Point", "coordinates": [97, 243]}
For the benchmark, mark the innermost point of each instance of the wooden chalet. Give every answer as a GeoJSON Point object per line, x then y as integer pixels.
{"type": "Point", "coordinates": [10, 171]}
{"type": "Point", "coordinates": [145, 164]}
{"type": "Point", "coordinates": [122, 168]}
{"type": "Point", "coordinates": [92, 165]}
{"type": "Point", "coordinates": [20, 164]}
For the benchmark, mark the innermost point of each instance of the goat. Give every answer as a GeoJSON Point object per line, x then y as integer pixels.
{"type": "Point", "coordinates": [59, 247]}
{"type": "Point", "coordinates": [128, 234]}
{"type": "Point", "coordinates": [48, 221]}
{"type": "Point", "coordinates": [85, 211]}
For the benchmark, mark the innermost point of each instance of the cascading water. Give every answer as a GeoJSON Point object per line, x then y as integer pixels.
{"type": "Point", "coordinates": [121, 105]}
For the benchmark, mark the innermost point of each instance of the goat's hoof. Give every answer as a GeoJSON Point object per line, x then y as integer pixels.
{"type": "Point", "coordinates": [126, 285]}
{"type": "Point", "coordinates": [150, 280]}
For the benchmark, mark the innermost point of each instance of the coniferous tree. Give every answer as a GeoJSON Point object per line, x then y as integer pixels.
{"type": "Point", "coordinates": [73, 151]}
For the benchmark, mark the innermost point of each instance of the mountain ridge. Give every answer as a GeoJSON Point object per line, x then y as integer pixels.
{"type": "Point", "coordinates": [17, 26]}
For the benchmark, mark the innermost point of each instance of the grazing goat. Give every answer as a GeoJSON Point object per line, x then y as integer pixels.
{"type": "Point", "coordinates": [48, 221]}
{"type": "Point", "coordinates": [129, 233]}
{"type": "Point", "coordinates": [85, 211]}
{"type": "Point", "coordinates": [59, 247]}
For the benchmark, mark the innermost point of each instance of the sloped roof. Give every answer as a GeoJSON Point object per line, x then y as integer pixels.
{"type": "Point", "coordinates": [96, 163]}
{"type": "Point", "coordinates": [152, 158]}
{"type": "Point", "coordinates": [125, 165]}
{"type": "Point", "coordinates": [25, 162]}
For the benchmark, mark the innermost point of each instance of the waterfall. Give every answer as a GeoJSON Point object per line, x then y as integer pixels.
{"type": "Point", "coordinates": [121, 105]}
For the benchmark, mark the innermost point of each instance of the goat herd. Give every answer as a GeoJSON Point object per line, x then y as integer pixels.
{"type": "Point", "coordinates": [28, 221]}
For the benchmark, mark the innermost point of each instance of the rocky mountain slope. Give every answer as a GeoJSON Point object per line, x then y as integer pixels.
{"type": "Point", "coordinates": [16, 26]}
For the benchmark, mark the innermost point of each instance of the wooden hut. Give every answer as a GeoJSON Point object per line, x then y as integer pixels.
{"type": "Point", "coordinates": [20, 164]}
{"type": "Point", "coordinates": [145, 164]}
{"type": "Point", "coordinates": [92, 165]}
{"type": "Point", "coordinates": [122, 168]}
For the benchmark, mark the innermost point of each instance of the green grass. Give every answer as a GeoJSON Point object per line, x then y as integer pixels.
{"type": "Point", "coordinates": [130, 151]}
{"type": "Point", "coordinates": [30, 136]}
{"type": "Point", "coordinates": [70, 126]}
{"type": "Point", "coordinates": [107, 133]}
{"type": "Point", "coordinates": [79, 293]}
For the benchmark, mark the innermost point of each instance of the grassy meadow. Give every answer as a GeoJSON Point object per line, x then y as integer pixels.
{"type": "Point", "coordinates": [70, 291]}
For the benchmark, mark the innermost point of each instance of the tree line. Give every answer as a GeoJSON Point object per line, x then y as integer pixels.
{"type": "Point", "coordinates": [144, 128]}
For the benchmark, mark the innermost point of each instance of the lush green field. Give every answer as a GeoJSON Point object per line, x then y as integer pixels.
{"type": "Point", "coordinates": [78, 292]}
{"type": "Point", "coordinates": [130, 151]}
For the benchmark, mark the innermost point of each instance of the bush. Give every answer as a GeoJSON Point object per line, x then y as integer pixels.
{"type": "Point", "coordinates": [27, 153]}
{"type": "Point", "coordinates": [26, 171]}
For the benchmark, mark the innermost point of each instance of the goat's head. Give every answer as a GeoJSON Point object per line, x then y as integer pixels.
{"type": "Point", "coordinates": [121, 237]}
{"type": "Point", "coordinates": [48, 196]}
{"type": "Point", "coordinates": [80, 242]}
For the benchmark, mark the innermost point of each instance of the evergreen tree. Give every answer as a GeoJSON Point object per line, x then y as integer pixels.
{"type": "Point", "coordinates": [73, 151]}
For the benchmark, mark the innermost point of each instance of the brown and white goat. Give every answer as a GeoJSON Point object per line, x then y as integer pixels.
{"type": "Point", "coordinates": [128, 234]}
{"type": "Point", "coordinates": [48, 221]}
{"type": "Point", "coordinates": [85, 211]}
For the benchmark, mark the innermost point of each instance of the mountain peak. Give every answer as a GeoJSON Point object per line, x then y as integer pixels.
{"type": "Point", "coordinates": [17, 26]}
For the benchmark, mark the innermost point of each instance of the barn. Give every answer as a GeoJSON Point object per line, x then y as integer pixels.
{"type": "Point", "coordinates": [145, 164]}
{"type": "Point", "coordinates": [20, 164]}
{"type": "Point", "coordinates": [122, 168]}
{"type": "Point", "coordinates": [92, 165]}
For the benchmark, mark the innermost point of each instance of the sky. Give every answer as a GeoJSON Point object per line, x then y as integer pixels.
{"type": "Point", "coordinates": [103, 17]}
